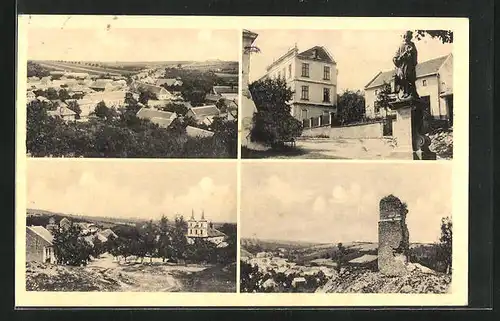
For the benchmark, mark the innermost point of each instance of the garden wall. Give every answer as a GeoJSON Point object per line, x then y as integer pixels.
{"type": "Point", "coordinates": [372, 130]}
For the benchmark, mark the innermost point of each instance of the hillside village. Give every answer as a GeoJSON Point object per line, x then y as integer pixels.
{"type": "Point", "coordinates": [281, 266]}
{"type": "Point", "coordinates": [78, 247]}
{"type": "Point", "coordinates": [195, 102]}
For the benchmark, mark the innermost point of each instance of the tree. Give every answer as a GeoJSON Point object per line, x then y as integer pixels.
{"type": "Point", "coordinates": [221, 105]}
{"type": "Point", "coordinates": [164, 243]}
{"type": "Point", "coordinates": [340, 255]}
{"type": "Point", "coordinates": [383, 98]}
{"type": "Point", "coordinates": [148, 235]}
{"type": "Point", "coordinates": [63, 94]}
{"type": "Point", "coordinates": [104, 112]}
{"type": "Point", "coordinates": [351, 106]}
{"type": "Point", "coordinates": [73, 105]}
{"type": "Point", "coordinates": [195, 96]}
{"type": "Point", "coordinates": [250, 278]}
{"type": "Point", "coordinates": [36, 70]}
{"type": "Point", "coordinates": [273, 123]}
{"type": "Point", "coordinates": [70, 248]}
{"type": "Point", "coordinates": [145, 96]}
{"type": "Point", "coordinates": [179, 109]}
{"type": "Point", "coordinates": [445, 244]}
{"type": "Point", "coordinates": [179, 242]}
{"type": "Point", "coordinates": [52, 94]}
{"type": "Point", "coordinates": [446, 36]}
{"type": "Point", "coordinates": [98, 247]}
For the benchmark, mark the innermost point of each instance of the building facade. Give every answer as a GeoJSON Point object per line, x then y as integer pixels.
{"type": "Point", "coordinates": [312, 76]}
{"type": "Point", "coordinates": [247, 105]}
{"type": "Point", "coordinates": [434, 85]}
{"type": "Point", "coordinates": [202, 229]}
{"type": "Point", "coordinates": [39, 247]}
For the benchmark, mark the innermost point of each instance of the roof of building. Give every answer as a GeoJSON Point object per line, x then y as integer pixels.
{"type": "Point", "coordinates": [318, 53]}
{"type": "Point", "coordinates": [168, 82]}
{"type": "Point", "coordinates": [198, 132]}
{"type": "Point", "coordinates": [226, 89]}
{"type": "Point", "coordinates": [64, 220]}
{"type": "Point", "coordinates": [429, 67]}
{"type": "Point", "coordinates": [101, 83]}
{"type": "Point", "coordinates": [162, 122]}
{"type": "Point", "coordinates": [151, 88]}
{"type": "Point", "coordinates": [149, 113]}
{"type": "Point", "coordinates": [61, 111]}
{"type": "Point", "coordinates": [104, 95]}
{"type": "Point", "coordinates": [367, 258]}
{"type": "Point", "coordinates": [299, 279]}
{"type": "Point", "coordinates": [107, 232]}
{"type": "Point", "coordinates": [204, 111]}
{"type": "Point", "coordinates": [214, 232]}
{"type": "Point", "coordinates": [42, 232]}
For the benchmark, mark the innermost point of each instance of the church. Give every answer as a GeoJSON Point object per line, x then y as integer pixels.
{"type": "Point", "coordinates": [203, 229]}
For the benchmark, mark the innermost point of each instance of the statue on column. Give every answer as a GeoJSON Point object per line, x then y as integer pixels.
{"type": "Point", "coordinates": [405, 61]}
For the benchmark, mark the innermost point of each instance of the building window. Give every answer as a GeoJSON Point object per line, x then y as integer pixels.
{"type": "Point", "coordinates": [326, 95]}
{"type": "Point", "coordinates": [424, 83]}
{"type": "Point", "coordinates": [305, 70]}
{"type": "Point", "coordinates": [376, 91]}
{"type": "Point", "coordinates": [284, 73]}
{"type": "Point", "coordinates": [290, 71]}
{"type": "Point", "coordinates": [304, 113]}
{"type": "Point", "coordinates": [326, 73]}
{"type": "Point", "coordinates": [279, 74]}
{"type": "Point", "coordinates": [305, 93]}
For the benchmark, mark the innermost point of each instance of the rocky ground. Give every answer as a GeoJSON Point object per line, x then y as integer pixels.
{"type": "Point", "coordinates": [420, 280]}
{"type": "Point", "coordinates": [104, 275]}
{"type": "Point", "coordinates": [442, 143]}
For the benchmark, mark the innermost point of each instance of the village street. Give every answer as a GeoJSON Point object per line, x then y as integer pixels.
{"type": "Point", "coordinates": [149, 276]}
{"type": "Point", "coordinates": [340, 148]}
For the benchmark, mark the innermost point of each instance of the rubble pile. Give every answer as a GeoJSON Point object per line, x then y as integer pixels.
{"type": "Point", "coordinates": [419, 280]}
{"type": "Point", "coordinates": [442, 143]}
{"type": "Point", "coordinates": [48, 277]}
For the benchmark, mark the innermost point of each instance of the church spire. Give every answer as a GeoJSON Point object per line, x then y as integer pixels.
{"type": "Point", "coordinates": [202, 214]}
{"type": "Point", "coordinates": [192, 214]}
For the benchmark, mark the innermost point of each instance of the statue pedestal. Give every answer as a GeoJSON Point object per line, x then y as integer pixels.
{"type": "Point", "coordinates": [409, 131]}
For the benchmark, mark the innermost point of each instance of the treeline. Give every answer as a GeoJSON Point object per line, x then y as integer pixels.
{"type": "Point", "coordinates": [196, 84]}
{"type": "Point", "coordinates": [252, 280]}
{"type": "Point", "coordinates": [36, 70]}
{"type": "Point", "coordinates": [119, 133]}
{"type": "Point", "coordinates": [163, 239]}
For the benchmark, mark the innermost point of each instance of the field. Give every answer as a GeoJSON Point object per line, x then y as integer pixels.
{"type": "Point", "coordinates": [73, 67]}
{"type": "Point", "coordinates": [105, 274]}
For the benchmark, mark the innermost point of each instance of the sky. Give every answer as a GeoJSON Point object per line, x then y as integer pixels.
{"type": "Point", "coordinates": [123, 189]}
{"type": "Point", "coordinates": [125, 44]}
{"type": "Point", "coordinates": [359, 54]}
{"type": "Point", "coordinates": [339, 202]}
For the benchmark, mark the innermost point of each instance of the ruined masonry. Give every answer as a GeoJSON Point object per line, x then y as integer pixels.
{"type": "Point", "coordinates": [393, 237]}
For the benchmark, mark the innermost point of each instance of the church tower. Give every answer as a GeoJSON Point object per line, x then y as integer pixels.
{"type": "Point", "coordinates": [191, 225]}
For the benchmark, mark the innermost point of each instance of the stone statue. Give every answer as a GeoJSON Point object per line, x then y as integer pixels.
{"type": "Point", "coordinates": [405, 61]}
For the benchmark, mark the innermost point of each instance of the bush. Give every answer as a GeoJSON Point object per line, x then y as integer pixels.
{"type": "Point", "coordinates": [70, 248]}
{"type": "Point", "coordinates": [273, 124]}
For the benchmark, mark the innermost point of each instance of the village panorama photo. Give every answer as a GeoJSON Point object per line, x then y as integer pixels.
{"type": "Point", "coordinates": [347, 94]}
{"type": "Point", "coordinates": [346, 228]}
{"type": "Point", "coordinates": [133, 93]}
{"type": "Point", "coordinates": [113, 226]}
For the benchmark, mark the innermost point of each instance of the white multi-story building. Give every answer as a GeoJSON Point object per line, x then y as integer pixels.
{"type": "Point", "coordinates": [202, 229]}
{"type": "Point", "coordinates": [312, 76]}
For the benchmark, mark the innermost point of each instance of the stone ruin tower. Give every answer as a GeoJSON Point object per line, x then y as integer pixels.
{"type": "Point", "coordinates": [393, 237]}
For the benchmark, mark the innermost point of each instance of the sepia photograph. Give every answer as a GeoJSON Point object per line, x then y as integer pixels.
{"type": "Point", "coordinates": [346, 228]}
{"type": "Point", "coordinates": [347, 94]}
{"type": "Point", "coordinates": [116, 227]}
{"type": "Point", "coordinates": [134, 92]}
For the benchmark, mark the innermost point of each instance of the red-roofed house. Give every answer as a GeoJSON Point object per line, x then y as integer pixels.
{"type": "Point", "coordinates": [39, 247]}
{"type": "Point", "coordinates": [434, 85]}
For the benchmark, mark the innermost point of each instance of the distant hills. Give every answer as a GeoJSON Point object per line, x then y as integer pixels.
{"type": "Point", "coordinates": [105, 221]}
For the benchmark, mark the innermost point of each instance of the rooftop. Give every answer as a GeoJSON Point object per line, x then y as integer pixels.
{"type": "Point", "coordinates": [149, 113]}
{"type": "Point", "coordinates": [42, 232]}
{"type": "Point", "coordinates": [208, 110]}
